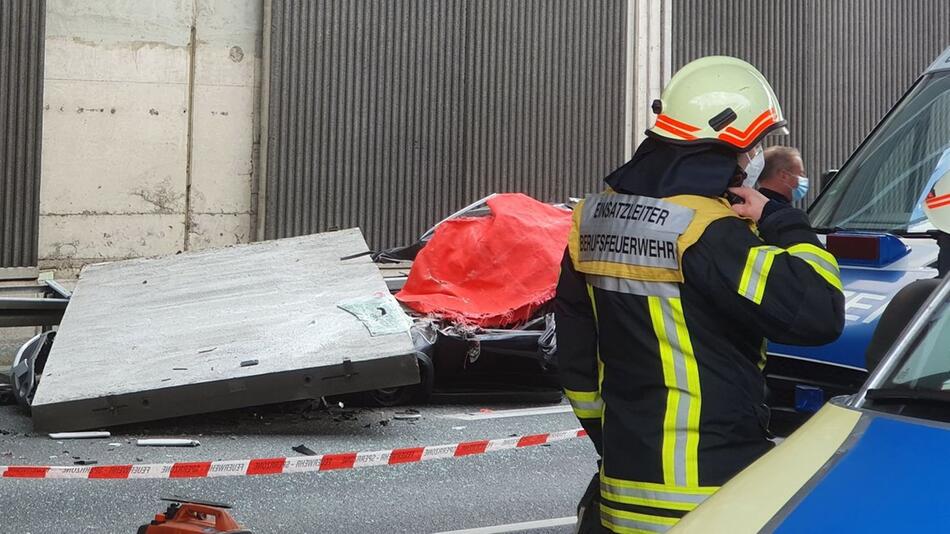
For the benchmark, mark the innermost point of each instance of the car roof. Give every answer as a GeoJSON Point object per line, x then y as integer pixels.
{"type": "Point", "coordinates": [941, 63]}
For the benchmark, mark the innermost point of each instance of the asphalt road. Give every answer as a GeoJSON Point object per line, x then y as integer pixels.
{"type": "Point", "coordinates": [494, 489]}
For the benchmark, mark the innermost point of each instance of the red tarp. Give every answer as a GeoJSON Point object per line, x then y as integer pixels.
{"type": "Point", "coordinates": [491, 271]}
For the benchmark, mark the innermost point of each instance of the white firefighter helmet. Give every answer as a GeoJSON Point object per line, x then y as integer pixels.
{"type": "Point", "coordinates": [717, 99]}
{"type": "Point", "coordinates": [937, 204]}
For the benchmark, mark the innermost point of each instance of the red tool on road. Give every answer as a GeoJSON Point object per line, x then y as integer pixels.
{"type": "Point", "coordinates": [185, 516]}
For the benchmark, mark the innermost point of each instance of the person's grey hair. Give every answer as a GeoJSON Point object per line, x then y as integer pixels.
{"type": "Point", "coordinates": [777, 158]}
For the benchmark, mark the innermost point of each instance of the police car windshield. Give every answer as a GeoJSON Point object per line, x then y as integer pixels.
{"type": "Point", "coordinates": [882, 185]}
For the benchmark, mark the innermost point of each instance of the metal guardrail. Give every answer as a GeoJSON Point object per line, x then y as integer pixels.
{"type": "Point", "coordinates": [45, 310]}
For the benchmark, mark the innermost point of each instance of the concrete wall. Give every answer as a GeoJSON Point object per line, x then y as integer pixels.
{"type": "Point", "coordinates": [391, 115]}
{"type": "Point", "coordinates": [151, 122]}
{"type": "Point", "coordinates": [149, 142]}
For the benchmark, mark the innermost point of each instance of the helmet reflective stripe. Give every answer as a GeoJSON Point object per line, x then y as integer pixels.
{"type": "Point", "coordinates": [717, 99]}
{"type": "Point", "coordinates": [937, 204]}
{"type": "Point", "coordinates": [675, 127]}
{"type": "Point", "coordinates": [744, 138]}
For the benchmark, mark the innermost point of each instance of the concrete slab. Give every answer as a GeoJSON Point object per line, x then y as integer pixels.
{"type": "Point", "coordinates": [155, 338]}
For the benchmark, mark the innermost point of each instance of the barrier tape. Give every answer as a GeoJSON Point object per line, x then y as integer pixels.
{"type": "Point", "coordinates": [295, 464]}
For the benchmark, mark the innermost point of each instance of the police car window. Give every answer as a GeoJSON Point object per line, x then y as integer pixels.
{"type": "Point", "coordinates": [881, 187]}
{"type": "Point", "coordinates": [928, 365]}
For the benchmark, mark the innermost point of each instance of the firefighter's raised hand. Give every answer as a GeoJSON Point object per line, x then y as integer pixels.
{"type": "Point", "coordinates": [752, 202]}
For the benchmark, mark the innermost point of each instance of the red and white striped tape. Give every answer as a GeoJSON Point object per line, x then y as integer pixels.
{"type": "Point", "coordinates": [297, 464]}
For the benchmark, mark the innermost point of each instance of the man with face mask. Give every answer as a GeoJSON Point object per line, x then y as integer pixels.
{"type": "Point", "coordinates": [783, 176]}
{"type": "Point", "coordinates": [668, 292]}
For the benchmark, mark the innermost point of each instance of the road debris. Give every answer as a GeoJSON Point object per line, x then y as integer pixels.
{"type": "Point", "coordinates": [306, 451]}
{"type": "Point", "coordinates": [407, 415]}
{"type": "Point", "coordinates": [172, 442]}
{"type": "Point", "coordinates": [80, 435]}
{"type": "Point", "coordinates": [346, 415]}
{"type": "Point", "coordinates": [85, 462]}
{"type": "Point", "coordinates": [249, 363]}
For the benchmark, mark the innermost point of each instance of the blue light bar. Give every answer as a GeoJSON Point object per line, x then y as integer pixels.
{"type": "Point", "coordinates": [866, 249]}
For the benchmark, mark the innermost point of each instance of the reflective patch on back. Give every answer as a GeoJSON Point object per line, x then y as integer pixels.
{"type": "Point", "coordinates": [631, 237]}
{"type": "Point", "coordinates": [634, 287]}
{"type": "Point", "coordinates": [632, 230]}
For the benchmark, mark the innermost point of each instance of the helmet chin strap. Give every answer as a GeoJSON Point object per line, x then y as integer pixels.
{"type": "Point", "coordinates": [738, 178]}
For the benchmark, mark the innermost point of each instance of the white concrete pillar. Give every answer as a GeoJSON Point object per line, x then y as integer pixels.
{"type": "Point", "coordinates": [649, 64]}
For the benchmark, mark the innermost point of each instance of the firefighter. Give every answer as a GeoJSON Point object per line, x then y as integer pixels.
{"type": "Point", "coordinates": [668, 293]}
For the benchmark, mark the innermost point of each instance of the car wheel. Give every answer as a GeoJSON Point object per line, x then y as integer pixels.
{"type": "Point", "coordinates": [420, 392]}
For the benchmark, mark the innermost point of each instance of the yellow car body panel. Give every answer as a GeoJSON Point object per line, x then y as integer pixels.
{"type": "Point", "coordinates": [748, 501]}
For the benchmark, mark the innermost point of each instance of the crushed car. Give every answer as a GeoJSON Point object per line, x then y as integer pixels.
{"type": "Point", "coordinates": [476, 336]}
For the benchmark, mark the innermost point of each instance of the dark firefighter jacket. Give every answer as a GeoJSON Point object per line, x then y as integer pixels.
{"type": "Point", "coordinates": [664, 303]}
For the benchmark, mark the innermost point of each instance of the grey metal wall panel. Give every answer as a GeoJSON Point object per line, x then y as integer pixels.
{"type": "Point", "coordinates": [836, 65]}
{"type": "Point", "coordinates": [390, 115]}
{"type": "Point", "coordinates": [22, 33]}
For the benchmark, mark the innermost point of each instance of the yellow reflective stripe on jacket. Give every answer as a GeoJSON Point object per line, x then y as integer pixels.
{"type": "Point", "coordinates": [756, 272]}
{"type": "Point", "coordinates": [681, 377]}
{"type": "Point", "coordinates": [593, 302]}
{"type": "Point", "coordinates": [672, 396]}
{"type": "Point", "coordinates": [624, 522]}
{"type": "Point", "coordinates": [657, 487]}
{"type": "Point", "coordinates": [822, 261]}
{"type": "Point", "coordinates": [590, 405]}
{"type": "Point", "coordinates": [683, 500]}
{"type": "Point", "coordinates": [693, 390]}
{"type": "Point", "coordinates": [600, 363]}
{"type": "Point", "coordinates": [586, 404]}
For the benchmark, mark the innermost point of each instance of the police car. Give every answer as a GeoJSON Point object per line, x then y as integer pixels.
{"type": "Point", "coordinates": [871, 218]}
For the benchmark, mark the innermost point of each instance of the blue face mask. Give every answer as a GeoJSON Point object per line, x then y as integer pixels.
{"type": "Point", "coordinates": [799, 192]}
